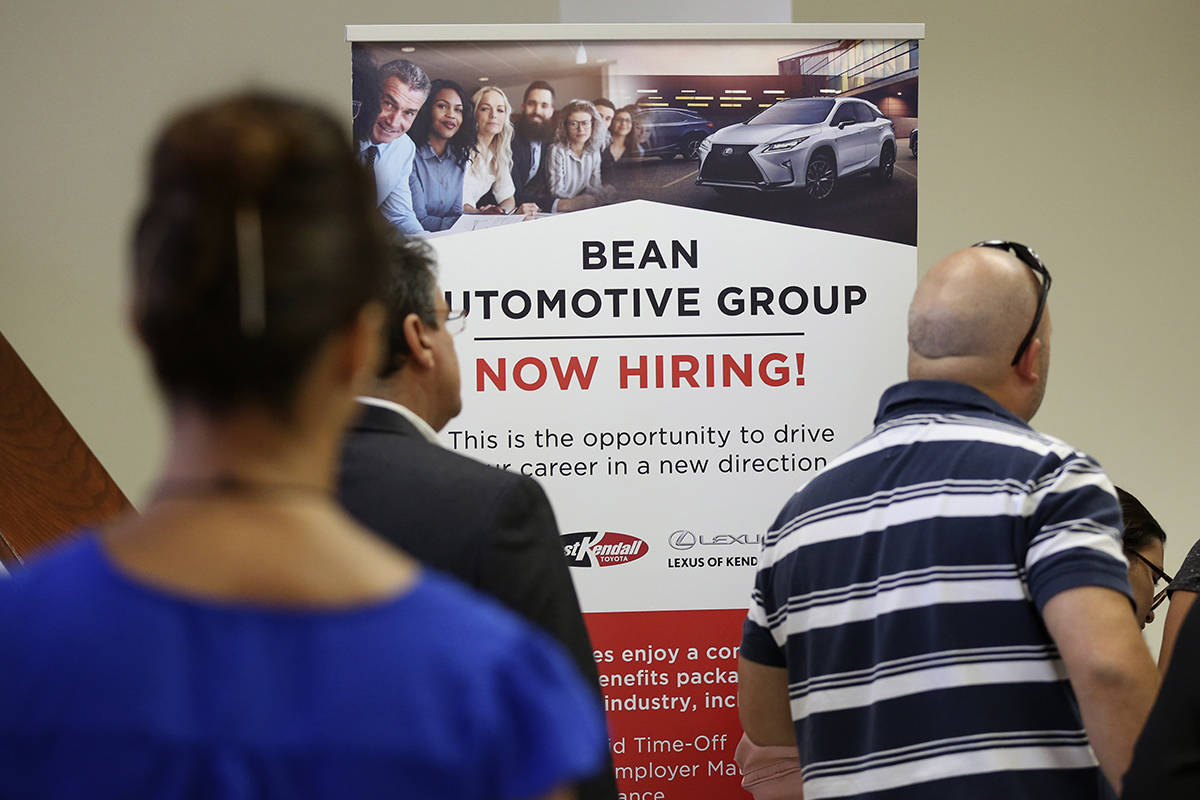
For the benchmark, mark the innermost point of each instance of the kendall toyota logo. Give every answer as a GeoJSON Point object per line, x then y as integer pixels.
{"type": "Point", "coordinates": [601, 548]}
{"type": "Point", "coordinates": [686, 540]}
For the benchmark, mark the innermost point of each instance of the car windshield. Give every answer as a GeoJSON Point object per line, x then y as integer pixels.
{"type": "Point", "coordinates": [795, 112]}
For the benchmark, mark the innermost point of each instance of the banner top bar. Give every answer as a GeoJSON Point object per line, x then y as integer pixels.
{"type": "Point", "coordinates": [555, 32]}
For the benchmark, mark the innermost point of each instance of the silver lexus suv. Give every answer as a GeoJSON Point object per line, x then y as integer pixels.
{"type": "Point", "coordinates": [809, 143]}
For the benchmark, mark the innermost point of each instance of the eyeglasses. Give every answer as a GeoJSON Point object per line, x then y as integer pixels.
{"type": "Point", "coordinates": [1159, 575]}
{"type": "Point", "coordinates": [1034, 262]}
{"type": "Point", "coordinates": [579, 123]}
{"type": "Point", "coordinates": [455, 321]}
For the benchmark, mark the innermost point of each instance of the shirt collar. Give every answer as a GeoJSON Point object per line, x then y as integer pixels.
{"type": "Point", "coordinates": [423, 427]}
{"type": "Point", "coordinates": [425, 151]}
{"type": "Point", "coordinates": [923, 396]}
{"type": "Point", "coordinates": [365, 143]}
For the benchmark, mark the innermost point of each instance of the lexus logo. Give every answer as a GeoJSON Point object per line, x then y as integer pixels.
{"type": "Point", "coordinates": [686, 540]}
{"type": "Point", "coordinates": [728, 151]}
{"type": "Point", "coordinates": [682, 540]}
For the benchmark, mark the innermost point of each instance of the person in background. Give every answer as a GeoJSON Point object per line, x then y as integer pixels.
{"type": "Point", "coordinates": [771, 772]}
{"type": "Point", "coordinates": [624, 135]}
{"type": "Point", "coordinates": [364, 88]}
{"type": "Point", "coordinates": [1166, 760]}
{"type": "Point", "coordinates": [532, 132]}
{"type": "Point", "coordinates": [386, 149]}
{"type": "Point", "coordinates": [491, 528]}
{"type": "Point", "coordinates": [444, 132]}
{"type": "Point", "coordinates": [1182, 593]}
{"type": "Point", "coordinates": [488, 185]}
{"type": "Point", "coordinates": [1142, 540]}
{"type": "Point", "coordinates": [606, 110]}
{"type": "Point", "coordinates": [243, 637]}
{"type": "Point", "coordinates": [574, 159]}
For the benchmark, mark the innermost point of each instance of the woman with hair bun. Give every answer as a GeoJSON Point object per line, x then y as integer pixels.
{"type": "Point", "coordinates": [242, 637]}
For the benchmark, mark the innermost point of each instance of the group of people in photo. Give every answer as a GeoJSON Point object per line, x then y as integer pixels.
{"type": "Point", "coordinates": [437, 151]}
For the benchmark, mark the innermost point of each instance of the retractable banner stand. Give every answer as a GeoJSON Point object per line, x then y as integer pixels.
{"type": "Point", "coordinates": [677, 359]}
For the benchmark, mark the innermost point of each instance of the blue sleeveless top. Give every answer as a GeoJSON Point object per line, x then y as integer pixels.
{"type": "Point", "coordinates": [111, 688]}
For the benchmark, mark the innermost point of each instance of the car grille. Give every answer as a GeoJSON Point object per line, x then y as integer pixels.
{"type": "Point", "coordinates": [722, 165]}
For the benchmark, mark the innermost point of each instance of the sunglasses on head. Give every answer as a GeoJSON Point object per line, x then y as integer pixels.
{"type": "Point", "coordinates": [1032, 260]}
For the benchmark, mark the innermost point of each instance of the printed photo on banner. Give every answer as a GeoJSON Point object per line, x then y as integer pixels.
{"type": "Point", "coordinates": [462, 136]}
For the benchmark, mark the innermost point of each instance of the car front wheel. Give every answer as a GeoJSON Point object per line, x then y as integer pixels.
{"type": "Point", "coordinates": [820, 178]}
{"type": "Point", "coordinates": [691, 148]}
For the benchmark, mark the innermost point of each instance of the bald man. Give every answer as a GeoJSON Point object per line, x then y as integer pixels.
{"type": "Point", "coordinates": [945, 611]}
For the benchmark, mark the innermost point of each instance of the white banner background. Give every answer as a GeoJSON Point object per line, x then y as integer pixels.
{"type": "Point", "coordinates": [848, 359]}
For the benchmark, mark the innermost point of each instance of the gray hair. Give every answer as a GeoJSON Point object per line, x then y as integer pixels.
{"type": "Point", "coordinates": [407, 72]}
{"type": "Point", "coordinates": [411, 289]}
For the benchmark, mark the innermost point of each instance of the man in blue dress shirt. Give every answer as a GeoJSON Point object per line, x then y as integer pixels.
{"type": "Point", "coordinates": [387, 149]}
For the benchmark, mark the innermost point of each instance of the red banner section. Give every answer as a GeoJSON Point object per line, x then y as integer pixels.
{"type": "Point", "coordinates": [670, 691]}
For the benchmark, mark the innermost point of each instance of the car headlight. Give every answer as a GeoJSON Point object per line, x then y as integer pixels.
{"type": "Point", "coordinates": [705, 145]}
{"type": "Point", "coordinates": [786, 144]}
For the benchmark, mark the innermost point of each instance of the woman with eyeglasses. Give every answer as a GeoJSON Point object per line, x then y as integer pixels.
{"type": "Point", "coordinates": [243, 637]}
{"type": "Point", "coordinates": [444, 132]}
{"type": "Point", "coordinates": [1142, 539]}
{"type": "Point", "coordinates": [574, 161]}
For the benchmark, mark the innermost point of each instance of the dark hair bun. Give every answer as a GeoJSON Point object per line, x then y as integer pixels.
{"type": "Point", "coordinates": [255, 201]}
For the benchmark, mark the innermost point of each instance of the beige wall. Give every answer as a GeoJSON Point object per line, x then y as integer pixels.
{"type": "Point", "coordinates": [1068, 125]}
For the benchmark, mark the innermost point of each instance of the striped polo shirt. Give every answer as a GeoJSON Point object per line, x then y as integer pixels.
{"type": "Point", "coordinates": [902, 589]}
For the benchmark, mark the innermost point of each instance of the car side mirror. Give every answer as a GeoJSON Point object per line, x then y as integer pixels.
{"type": "Point", "coordinates": [841, 125]}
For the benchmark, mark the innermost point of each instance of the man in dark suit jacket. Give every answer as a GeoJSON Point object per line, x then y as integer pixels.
{"type": "Point", "coordinates": [491, 528]}
{"type": "Point", "coordinates": [531, 145]}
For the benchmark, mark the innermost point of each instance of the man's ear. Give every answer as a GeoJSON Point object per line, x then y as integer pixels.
{"type": "Point", "coordinates": [420, 344]}
{"type": "Point", "coordinates": [1029, 367]}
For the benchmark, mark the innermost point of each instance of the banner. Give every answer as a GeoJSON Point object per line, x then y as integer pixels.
{"type": "Point", "coordinates": [678, 353]}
